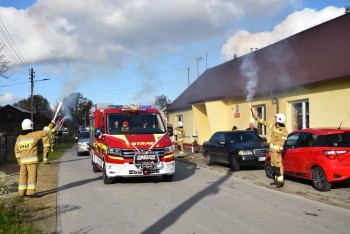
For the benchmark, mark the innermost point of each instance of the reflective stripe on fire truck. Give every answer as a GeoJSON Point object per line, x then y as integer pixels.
{"type": "Point", "coordinates": [101, 145]}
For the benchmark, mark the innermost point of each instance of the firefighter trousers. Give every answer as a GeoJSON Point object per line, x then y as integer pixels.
{"type": "Point", "coordinates": [180, 144]}
{"type": "Point", "coordinates": [276, 160]}
{"type": "Point", "coordinates": [27, 179]}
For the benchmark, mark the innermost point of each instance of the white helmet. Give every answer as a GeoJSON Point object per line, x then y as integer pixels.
{"type": "Point", "coordinates": [280, 118]}
{"type": "Point", "coordinates": [27, 124]}
{"type": "Point", "coordinates": [179, 124]}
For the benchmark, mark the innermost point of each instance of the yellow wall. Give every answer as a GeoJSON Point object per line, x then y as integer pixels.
{"type": "Point", "coordinates": [328, 107]}
{"type": "Point", "coordinates": [201, 120]}
{"type": "Point", "coordinates": [217, 115]}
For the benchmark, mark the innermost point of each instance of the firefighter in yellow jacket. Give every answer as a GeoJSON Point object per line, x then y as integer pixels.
{"type": "Point", "coordinates": [47, 142]}
{"type": "Point", "coordinates": [180, 135]}
{"type": "Point", "coordinates": [27, 156]}
{"type": "Point", "coordinates": [278, 137]}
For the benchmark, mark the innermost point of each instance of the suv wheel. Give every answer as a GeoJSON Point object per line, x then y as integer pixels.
{"type": "Point", "coordinates": [234, 164]}
{"type": "Point", "coordinates": [319, 180]}
{"type": "Point", "coordinates": [208, 159]}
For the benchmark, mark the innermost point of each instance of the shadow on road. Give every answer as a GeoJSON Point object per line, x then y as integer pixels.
{"type": "Point", "coordinates": [175, 214]}
{"type": "Point", "coordinates": [68, 186]}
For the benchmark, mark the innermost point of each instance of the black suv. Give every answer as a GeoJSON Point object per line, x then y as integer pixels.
{"type": "Point", "coordinates": [235, 148]}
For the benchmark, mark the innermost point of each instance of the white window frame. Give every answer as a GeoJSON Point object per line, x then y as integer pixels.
{"type": "Point", "coordinates": [179, 118]}
{"type": "Point", "coordinates": [303, 112]}
{"type": "Point", "coordinates": [263, 116]}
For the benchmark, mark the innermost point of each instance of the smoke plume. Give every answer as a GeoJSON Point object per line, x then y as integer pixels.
{"type": "Point", "coordinates": [249, 69]}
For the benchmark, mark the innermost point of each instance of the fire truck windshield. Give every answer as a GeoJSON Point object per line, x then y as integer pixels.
{"type": "Point", "coordinates": [135, 123]}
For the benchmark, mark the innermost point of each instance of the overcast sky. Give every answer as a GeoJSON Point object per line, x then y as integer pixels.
{"type": "Point", "coordinates": [123, 52]}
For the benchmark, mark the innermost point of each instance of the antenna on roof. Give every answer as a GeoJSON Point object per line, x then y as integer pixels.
{"type": "Point", "coordinates": [340, 125]}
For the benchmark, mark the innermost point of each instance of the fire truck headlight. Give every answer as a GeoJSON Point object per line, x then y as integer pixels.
{"type": "Point", "coordinates": [169, 150]}
{"type": "Point", "coordinates": [114, 151]}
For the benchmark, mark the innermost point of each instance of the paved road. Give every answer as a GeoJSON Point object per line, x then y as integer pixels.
{"type": "Point", "coordinates": [338, 196]}
{"type": "Point", "coordinates": [197, 201]}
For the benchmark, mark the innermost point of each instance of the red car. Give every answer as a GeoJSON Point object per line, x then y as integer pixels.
{"type": "Point", "coordinates": [319, 155]}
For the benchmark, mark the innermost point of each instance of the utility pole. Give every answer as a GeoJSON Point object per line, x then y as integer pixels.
{"type": "Point", "coordinates": [31, 73]}
{"type": "Point", "coordinates": [198, 59]}
{"type": "Point", "coordinates": [188, 76]}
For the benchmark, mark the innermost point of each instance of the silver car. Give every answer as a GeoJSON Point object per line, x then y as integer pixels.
{"type": "Point", "coordinates": [83, 140]}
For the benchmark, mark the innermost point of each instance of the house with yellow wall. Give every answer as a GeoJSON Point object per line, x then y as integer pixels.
{"type": "Point", "coordinates": [305, 76]}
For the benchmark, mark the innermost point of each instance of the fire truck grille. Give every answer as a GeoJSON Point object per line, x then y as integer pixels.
{"type": "Point", "coordinates": [260, 152]}
{"type": "Point", "coordinates": [151, 171]}
{"type": "Point", "coordinates": [128, 153]}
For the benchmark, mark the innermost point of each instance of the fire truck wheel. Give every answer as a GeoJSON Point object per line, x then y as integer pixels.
{"type": "Point", "coordinates": [106, 179]}
{"type": "Point", "coordinates": [95, 168]}
{"type": "Point", "coordinates": [168, 178]}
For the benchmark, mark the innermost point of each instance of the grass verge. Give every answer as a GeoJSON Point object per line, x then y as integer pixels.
{"type": "Point", "coordinates": [22, 215]}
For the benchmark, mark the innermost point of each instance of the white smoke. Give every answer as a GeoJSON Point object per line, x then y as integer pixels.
{"type": "Point", "coordinates": [242, 41]}
{"type": "Point", "coordinates": [249, 69]}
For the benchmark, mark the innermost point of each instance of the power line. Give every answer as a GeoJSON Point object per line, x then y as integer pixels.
{"type": "Point", "coordinates": [15, 53]}
{"type": "Point", "coordinates": [13, 46]}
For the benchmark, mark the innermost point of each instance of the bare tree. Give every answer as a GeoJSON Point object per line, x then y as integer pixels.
{"type": "Point", "coordinates": [162, 101]}
{"type": "Point", "coordinates": [4, 64]}
{"type": "Point", "coordinates": [76, 107]}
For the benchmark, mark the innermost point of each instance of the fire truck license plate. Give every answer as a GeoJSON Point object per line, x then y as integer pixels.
{"type": "Point", "coordinates": [146, 157]}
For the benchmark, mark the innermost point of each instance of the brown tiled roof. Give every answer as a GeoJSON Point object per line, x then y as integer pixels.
{"type": "Point", "coordinates": [318, 54]}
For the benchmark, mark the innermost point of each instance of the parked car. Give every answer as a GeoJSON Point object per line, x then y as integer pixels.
{"type": "Point", "coordinates": [319, 155]}
{"type": "Point", "coordinates": [235, 148]}
{"type": "Point", "coordinates": [83, 141]}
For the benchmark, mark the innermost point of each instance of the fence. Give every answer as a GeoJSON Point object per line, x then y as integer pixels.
{"type": "Point", "coordinates": [7, 145]}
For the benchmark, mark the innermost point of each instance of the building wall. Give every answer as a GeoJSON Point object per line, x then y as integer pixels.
{"type": "Point", "coordinates": [328, 107]}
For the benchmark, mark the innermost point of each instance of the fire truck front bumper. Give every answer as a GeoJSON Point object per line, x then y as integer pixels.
{"type": "Point", "coordinates": [130, 170]}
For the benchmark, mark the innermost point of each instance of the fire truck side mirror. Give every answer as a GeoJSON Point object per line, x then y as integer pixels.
{"type": "Point", "coordinates": [170, 130]}
{"type": "Point", "coordinates": [98, 132]}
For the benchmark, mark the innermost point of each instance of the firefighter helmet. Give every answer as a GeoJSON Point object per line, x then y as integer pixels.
{"type": "Point", "coordinates": [27, 124]}
{"type": "Point", "coordinates": [179, 124]}
{"type": "Point", "coordinates": [280, 118]}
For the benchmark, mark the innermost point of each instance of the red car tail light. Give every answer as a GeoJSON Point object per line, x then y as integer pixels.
{"type": "Point", "coordinates": [333, 154]}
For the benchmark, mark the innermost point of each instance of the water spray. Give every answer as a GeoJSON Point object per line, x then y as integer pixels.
{"type": "Point", "coordinates": [58, 109]}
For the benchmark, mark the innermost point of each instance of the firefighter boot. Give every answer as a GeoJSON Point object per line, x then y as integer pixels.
{"type": "Point", "coordinates": [280, 179]}
{"type": "Point", "coordinates": [280, 184]}
{"type": "Point", "coordinates": [274, 182]}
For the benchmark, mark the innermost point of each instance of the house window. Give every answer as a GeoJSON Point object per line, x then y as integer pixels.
{"type": "Point", "coordinates": [262, 114]}
{"type": "Point", "coordinates": [179, 118]}
{"type": "Point", "coordinates": [300, 115]}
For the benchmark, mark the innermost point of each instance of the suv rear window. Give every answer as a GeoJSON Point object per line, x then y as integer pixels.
{"type": "Point", "coordinates": [338, 140]}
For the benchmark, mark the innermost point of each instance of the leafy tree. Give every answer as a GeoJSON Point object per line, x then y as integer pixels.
{"type": "Point", "coordinates": [162, 101]}
{"type": "Point", "coordinates": [4, 64]}
{"type": "Point", "coordinates": [40, 104]}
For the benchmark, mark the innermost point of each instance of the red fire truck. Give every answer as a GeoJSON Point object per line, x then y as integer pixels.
{"type": "Point", "coordinates": [130, 141]}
